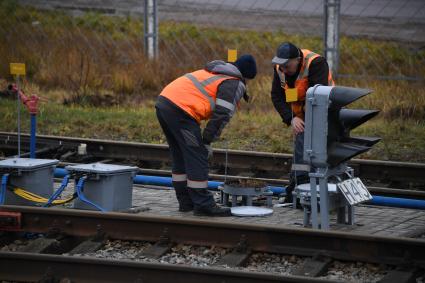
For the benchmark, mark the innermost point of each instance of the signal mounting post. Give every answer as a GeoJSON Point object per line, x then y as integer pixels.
{"type": "Point", "coordinates": [327, 149]}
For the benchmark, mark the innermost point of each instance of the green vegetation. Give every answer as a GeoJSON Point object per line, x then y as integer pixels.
{"type": "Point", "coordinates": [248, 130]}
{"type": "Point", "coordinates": [99, 84]}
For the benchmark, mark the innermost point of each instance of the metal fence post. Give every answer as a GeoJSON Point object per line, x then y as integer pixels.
{"type": "Point", "coordinates": [197, 31]}
{"type": "Point", "coordinates": [331, 34]}
{"type": "Point", "coordinates": [151, 28]}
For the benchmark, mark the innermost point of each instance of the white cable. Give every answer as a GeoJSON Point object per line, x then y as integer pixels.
{"type": "Point", "coordinates": [226, 160]}
{"type": "Point", "coordinates": [19, 116]}
{"type": "Point", "coordinates": [295, 148]}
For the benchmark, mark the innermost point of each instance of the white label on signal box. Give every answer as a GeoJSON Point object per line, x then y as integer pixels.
{"type": "Point", "coordinates": [354, 191]}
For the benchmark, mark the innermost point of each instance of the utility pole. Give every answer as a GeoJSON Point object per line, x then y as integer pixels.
{"type": "Point", "coordinates": [331, 34]}
{"type": "Point", "coordinates": [151, 29]}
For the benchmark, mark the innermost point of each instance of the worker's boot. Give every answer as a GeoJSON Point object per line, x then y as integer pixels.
{"type": "Point", "coordinates": [289, 198]}
{"type": "Point", "coordinates": [205, 204]}
{"type": "Point", "coordinates": [289, 189]}
{"type": "Point", "coordinates": [183, 197]}
{"type": "Point", "coordinates": [212, 211]}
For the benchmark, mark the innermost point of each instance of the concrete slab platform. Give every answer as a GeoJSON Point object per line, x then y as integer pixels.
{"type": "Point", "coordinates": [371, 220]}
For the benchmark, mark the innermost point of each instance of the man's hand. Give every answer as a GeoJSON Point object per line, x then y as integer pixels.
{"type": "Point", "coordinates": [297, 125]}
{"type": "Point", "coordinates": [210, 151]}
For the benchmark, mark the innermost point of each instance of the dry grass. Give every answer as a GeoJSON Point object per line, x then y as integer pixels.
{"type": "Point", "coordinates": [99, 84]}
{"type": "Point", "coordinates": [94, 54]}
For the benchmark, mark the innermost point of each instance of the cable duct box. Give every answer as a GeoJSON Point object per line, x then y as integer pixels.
{"type": "Point", "coordinates": [33, 175]}
{"type": "Point", "coordinates": [108, 186]}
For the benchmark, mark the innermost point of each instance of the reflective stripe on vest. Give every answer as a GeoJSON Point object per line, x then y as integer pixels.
{"type": "Point", "coordinates": [219, 101]}
{"type": "Point", "coordinates": [306, 65]}
{"type": "Point", "coordinates": [225, 104]}
{"type": "Point", "coordinates": [196, 93]}
{"type": "Point", "coordinates": [213, 79]}
{"type": "Point", "coordinates": [201, 87]}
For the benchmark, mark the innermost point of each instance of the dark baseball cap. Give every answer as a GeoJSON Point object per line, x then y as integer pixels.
{"type": "Point", "coordinates": [285, 52]}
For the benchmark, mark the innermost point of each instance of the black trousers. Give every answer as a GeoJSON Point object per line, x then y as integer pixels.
{"type": "Point", "coordinates": [297, 177]}
{"type": "Point", "coordinates": [188, 154]}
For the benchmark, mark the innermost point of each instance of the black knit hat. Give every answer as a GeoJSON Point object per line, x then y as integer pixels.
{"type": "Point", "coordinates": [285, 52]}
{"type": "Point", "coordinates": [247, 66]}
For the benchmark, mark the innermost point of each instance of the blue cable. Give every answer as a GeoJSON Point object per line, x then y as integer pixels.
{"type": "Point", "coordinates": [79, 189]}
{"type": "Point", "coordinates": [64, 183]}
{"type": "Point", "coordinates": [4, 180]}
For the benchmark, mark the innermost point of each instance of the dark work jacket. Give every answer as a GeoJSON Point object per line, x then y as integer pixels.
{"type": "Point", "coordinates": [317, 74]}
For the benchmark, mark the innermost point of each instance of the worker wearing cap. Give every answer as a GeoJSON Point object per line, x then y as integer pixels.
{"type": "Point", "coordinates": [295, 70]}
{"type": "Point", "coordinates": [213, 94]}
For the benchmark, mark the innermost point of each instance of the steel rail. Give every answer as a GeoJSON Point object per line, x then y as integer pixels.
{"type": "Point", "coordinates": [31, 267]}
{"type": "Point", "coordinates": [261, 164]}
{"type": "Point", "coordinates": [260, 238]}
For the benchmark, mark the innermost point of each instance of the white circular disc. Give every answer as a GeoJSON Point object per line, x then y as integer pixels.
{"type": "Point", "coordinates": [251, 211]}
{"type": "Point", "coordinates": [306, 187]}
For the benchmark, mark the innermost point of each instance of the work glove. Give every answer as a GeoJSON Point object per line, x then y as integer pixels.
{"type": "Point", "coordinates": [210, 151]}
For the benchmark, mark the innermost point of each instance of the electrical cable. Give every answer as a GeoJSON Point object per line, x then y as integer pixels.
{"type": "Point", "coordinates": [79, 189]}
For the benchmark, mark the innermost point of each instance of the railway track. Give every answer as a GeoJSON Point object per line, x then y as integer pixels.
{"type": "Point", "coordinates": [397, 175]}
{"type": "Point", "coordinates": [66, 234]}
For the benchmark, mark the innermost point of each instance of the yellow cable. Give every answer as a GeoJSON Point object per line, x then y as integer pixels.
{"type": "Point", "coordinates": [28, 193]}
{"type": "Point", "coordinates": [36, 198]}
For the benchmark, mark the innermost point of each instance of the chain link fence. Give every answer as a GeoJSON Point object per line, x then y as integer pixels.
{"type": "Point", "coordinates": [100, 44]}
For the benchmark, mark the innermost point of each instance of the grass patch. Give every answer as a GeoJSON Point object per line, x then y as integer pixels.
{"type": "Point", "coordinates": [401, 139]}
{"type": "Point", "coordinates": [100, 85]}
{"type": "Point", "coordinates": [93, 53]}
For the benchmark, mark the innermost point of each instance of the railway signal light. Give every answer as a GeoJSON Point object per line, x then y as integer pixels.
{"type": "Point", "coordinates": [327, 141]}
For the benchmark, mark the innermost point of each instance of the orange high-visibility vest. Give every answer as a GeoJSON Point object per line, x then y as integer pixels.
{"type": "Point", "coordinates": [195, 93]}
{"type": "Point", "coordinates": [301, 83]}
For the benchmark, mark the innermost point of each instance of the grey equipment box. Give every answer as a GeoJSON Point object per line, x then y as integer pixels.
{"type": "Point", "coordinates": [33, 175]}
{"type": "Point", "coordinates": [107, 185]}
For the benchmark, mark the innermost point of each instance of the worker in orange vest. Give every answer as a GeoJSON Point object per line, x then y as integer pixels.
{"type": "Point", "coordinates": [213, 94]}
{"type": "Point", "coordinates": [295, 70]}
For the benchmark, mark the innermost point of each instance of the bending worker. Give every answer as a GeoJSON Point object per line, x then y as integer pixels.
{"type": "Point", "coordinates": [295, 70]}
{"type": "Point", "coordinates": [211, 93]}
